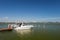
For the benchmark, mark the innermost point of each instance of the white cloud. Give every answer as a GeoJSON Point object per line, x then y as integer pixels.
{"type": "Point", "coordinates": [4, 19]}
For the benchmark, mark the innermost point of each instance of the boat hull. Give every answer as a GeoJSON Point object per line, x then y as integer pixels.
{"type": "Point", "coordinates": [23, 27]}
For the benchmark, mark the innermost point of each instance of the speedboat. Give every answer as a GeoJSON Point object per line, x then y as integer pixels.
{"type": "Point", "coordinates": [21, 26]}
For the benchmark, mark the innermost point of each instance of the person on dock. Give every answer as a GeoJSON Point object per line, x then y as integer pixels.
{"type": "Point", "coordinates": [9, 26]}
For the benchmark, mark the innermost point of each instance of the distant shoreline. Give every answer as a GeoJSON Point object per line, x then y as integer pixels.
{"type": "Point", "coordinates": [28, 22]}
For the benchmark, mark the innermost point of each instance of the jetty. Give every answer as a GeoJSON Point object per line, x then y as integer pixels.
{"type": "Point", "coordinates": [9, 28]}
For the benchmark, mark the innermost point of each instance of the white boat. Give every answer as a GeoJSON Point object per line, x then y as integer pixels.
{"type": "Point", "coordinates": [21, 26]}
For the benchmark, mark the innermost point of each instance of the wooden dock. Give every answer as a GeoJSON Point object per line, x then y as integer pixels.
{"type": "Point", "coordinates": [9, 28]}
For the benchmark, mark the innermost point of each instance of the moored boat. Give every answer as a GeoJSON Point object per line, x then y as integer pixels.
{"type": "Point", "coordinates": [21, 26]}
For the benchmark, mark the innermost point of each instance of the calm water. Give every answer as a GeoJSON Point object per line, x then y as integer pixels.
{"type": "Point", "coordinates": [41, 31]}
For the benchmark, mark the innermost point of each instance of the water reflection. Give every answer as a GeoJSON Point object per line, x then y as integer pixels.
{"type": "Point", "coordinates": [24, 32]}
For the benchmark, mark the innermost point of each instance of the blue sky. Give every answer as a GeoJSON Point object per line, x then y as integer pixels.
{"type": "Point", "coordinates": [31, 10]}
